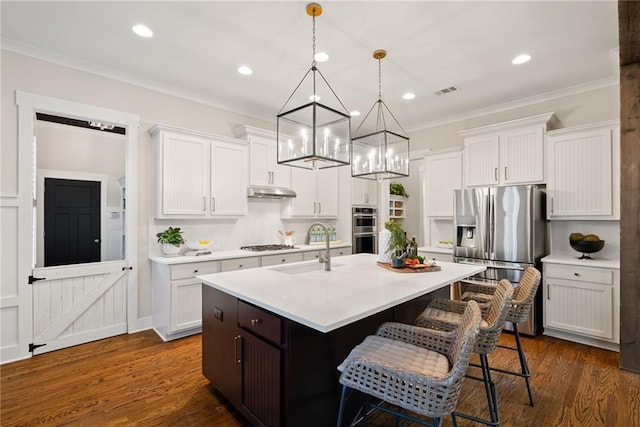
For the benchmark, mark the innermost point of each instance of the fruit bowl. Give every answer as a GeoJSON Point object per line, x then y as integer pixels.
{"type": "Point", "coordinates": [200, 244]}
{"type": "Point", "coordinates": [586, 247]}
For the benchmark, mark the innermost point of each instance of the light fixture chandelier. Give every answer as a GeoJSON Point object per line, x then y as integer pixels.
{"type": "Point", "coordinates": [314, 135]}
{"type": "Point", "coordinates": [377, 152]}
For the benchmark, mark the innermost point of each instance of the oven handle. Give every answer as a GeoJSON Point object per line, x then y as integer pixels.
{"type": "Point", "coordinates": [364, 234]}
{"type": "Point", "coordinates": [365, 215]}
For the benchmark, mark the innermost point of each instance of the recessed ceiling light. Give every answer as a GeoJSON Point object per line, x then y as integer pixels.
{"type": "Point", "coordinates": [243, 69]}
{"type": "Point", "coordinates": [408, 95]}
{"type": "Point", "coordinates": [354, 113]}
{"type": "Point", "coordinates": [142, 30]}
{"type": "Point", "coordinates": [521, 59]}
{"type": "Point", "coordinates": [314, 98]}
{"type": "Point", "coordinates": [321, 57]}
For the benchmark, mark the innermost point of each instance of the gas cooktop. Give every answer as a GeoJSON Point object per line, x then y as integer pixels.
{"type": "Point", "coordinates": [272, 247]}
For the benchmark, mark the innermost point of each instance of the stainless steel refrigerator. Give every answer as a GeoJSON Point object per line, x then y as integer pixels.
{"type": "Point", "coordinates": [504, 229]}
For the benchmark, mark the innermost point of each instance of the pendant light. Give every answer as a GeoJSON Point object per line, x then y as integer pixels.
{"type": "Point", "coordinates": [314, 135]}
{"type": "Point", "coordinates": [377, 152]}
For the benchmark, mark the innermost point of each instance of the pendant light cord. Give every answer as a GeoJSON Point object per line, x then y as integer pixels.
{"type": "Point", "coordinates": [313, 44]}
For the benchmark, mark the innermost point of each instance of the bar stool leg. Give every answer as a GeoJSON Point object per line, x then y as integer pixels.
{"type": "Point", "coordinates": [523, 362]}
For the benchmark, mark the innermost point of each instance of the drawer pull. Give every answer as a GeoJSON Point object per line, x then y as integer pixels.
{"type": "Point", "coordinates": [284, 260]}
{"type": "Point", "coordinates": [576, 274]}
{"type": "Point", "coordinates": [241, 265]}
{"type": "Point", "coordinates": [255, 322]}
{"type": "Point", "coordinates": [195, 271]}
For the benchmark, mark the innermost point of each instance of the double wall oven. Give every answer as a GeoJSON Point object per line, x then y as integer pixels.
{"type": "Point", "coordinates": [365, 230]}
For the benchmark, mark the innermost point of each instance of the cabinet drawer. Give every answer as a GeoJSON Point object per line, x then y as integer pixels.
{"type": "Point", "coordinates": [310, 255]}
{"type": "Point", "coordinates": [184, 271]}
{"type": "Point", "coordinates": [282, 259]}
{"type": "Point", "coordinates": [436, 256]}
{"type": "Point", "coordinates": [579, 273]}
{"type": "Point", "coordinates": [239, 264]}
{"type": "Point", "coordinates": [260, 322]}
{"type": "Point", "coordinates": [340, 251]}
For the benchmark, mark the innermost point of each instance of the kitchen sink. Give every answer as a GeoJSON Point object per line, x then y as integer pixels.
{"type": "Point", "coordinates": [303, 268]}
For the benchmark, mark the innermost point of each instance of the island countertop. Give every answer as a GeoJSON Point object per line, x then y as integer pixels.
{"type": "Point", "coordinates": [327, 300]}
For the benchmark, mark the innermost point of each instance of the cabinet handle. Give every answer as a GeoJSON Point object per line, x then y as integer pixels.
{"type": "Point", "coordinates": [195, 271]}
{"type": "Point", "coordinates": [314, 207]}
{"type": "Point", "coordinates": [241, 265]}
{"type": "Point", "coordinates": [235, 349]}
{"type": "Point", "coordinates": [319, 207]}
{"type": "Point", "coordinates": [204, 203]}
{"type": "Point", "coordinates": [256, 322]}
{"type": "Point", "coordinates": [366, 197]}
{"type": "Point", "coordinates": [283, 260]}
{"type": "Point", "coordinates": [272, 177]}
{"type": "Point", "coordinates": [576, 274]}
{"type": "Point", "coordinates": [505, 173]}
{"type": "Point", "coordinates": [552, 205]}
{"type": "Point", "coordinates": [495, 174]}
{"type": "Point", "coordinates": [548, 292]}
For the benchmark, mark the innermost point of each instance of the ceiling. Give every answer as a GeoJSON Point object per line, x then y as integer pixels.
{"type": "Point", "coordinates": [197, 48]}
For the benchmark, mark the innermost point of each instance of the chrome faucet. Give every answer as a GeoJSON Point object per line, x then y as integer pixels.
{"type": "Point", "coordinates": [326, 259]}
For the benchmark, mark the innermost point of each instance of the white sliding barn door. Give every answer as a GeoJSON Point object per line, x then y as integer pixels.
{"type": "Point", "coordinates": [78, 303]}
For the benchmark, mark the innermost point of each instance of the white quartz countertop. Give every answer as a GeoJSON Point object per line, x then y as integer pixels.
{"type": "Point", "coordinates": [573, 260]}
{"type": "Point", "coordinates": [239, 253]}
{"type": "Point", "coordinates": [326, 300]}
{"type": "Point", "coordinates": [436, 249]}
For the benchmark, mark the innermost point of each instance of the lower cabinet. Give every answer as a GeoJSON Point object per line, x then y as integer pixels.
{"type": "Point", "coordinates": [581, 304]}
{"type": "Point", "coordinates": [176, 296]}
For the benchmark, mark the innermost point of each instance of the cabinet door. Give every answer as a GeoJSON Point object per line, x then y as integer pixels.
{"type": "Point", "coordinates": [221, 342]}
{"type": "Point", "coordinates": [580, 174]}
{"type": "Point", "coordinates": [327, 193]}
{"type": "Point", "coordinates": [265, 169]}
{"type": "Point", "coordinates": [443, 176]}
{"type": "Point", "coordinates": [261, 380]}
{"type": "Point", "coordinates": [522, 156]}
{"type": "Point", "coordinates": [186, 302]}
{"type": "Point", "coordinates": [481, 160]}
{"type": "Point", "coordinates": [184, 178]}
{"type": "Point", "coordinates": [228, 179]}
{"type": "Point", "coordinates": [303, 182]}
{"type": "Point", "coordinates": [364, 192]}
{"type": "Point", "coordinates": [579, 307]}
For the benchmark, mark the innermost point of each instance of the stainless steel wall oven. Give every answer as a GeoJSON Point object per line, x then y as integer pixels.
{"type": "Point", "coordinates": [365, 230]}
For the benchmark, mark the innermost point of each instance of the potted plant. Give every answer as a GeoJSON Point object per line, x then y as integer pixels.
{"type": "Point", "coordinates": [397, 243]}
{"type": "Point", "coordinates": [171, 239]}
{"type": "Point", "coordinates": [397, 189]}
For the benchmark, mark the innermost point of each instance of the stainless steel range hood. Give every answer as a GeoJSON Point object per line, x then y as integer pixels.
{"type": "Point", "coordinates": [270, 192]}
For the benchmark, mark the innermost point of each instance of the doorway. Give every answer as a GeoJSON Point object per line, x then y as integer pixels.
{"type": "Point", "coordinates": [73, 303]}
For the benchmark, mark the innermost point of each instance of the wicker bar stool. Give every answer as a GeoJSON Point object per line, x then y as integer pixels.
{"type": "Point", "coordinates": [413, 368]}
{"type": "Point", "coordinates": [444, 314]}
{"type": "Point", "coordinates": [521, 304]}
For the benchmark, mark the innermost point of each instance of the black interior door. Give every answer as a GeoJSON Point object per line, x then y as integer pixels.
{"type": "Point", "coordinates": [71, 221]}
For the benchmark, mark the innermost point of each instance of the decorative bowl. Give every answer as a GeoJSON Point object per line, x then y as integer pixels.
{"type": "Point", "coordinates": [397, 262]}
{"type": "Point", "coordinates": [587, 247]}
{"type": "Point", "coordinates": [200, 244]}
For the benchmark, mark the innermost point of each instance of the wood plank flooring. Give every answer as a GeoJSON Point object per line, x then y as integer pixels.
{"type": "Point", "coordinates": [139, 380]}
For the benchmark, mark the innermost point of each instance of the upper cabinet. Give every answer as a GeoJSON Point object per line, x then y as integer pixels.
{"type": "Point", "coordinates": [364, 192]}
{"type": "Point", "coordinates": [584, 172]}
{"type": "Point", "coordinates": [317, 194]}
{"type": "Point", "coordinates": [443, 175]}
{"type": "Point", "coordinates": [508, 153]}
{"type": "Point", "coordinates": [198, 175]}
{"type": "Point", "coordinates": [264, 169]}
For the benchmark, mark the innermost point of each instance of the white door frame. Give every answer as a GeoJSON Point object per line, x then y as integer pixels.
{"type": "Point", "coordinates": [102, 178]}
{"type": "Point", "coordinates": [28, 104]}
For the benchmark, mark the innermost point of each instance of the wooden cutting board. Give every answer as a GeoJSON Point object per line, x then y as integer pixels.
{"type": "Point", "coordinates": [406, 269]}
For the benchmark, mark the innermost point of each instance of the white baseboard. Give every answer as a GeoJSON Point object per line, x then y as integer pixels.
{"type": "Point", "coordinates": [141, 324]}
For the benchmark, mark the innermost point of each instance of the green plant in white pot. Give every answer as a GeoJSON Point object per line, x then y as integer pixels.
{"type": "Point", "coordinates": [171, 240]}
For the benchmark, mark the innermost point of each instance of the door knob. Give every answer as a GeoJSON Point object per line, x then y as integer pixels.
{"type": "Point", "coordinates": [96, 240]}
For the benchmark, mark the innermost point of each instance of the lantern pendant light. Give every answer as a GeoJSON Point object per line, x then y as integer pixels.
{"type": "Point", "coordinates": [314, 135]}
{"type": "Point", "coordinates": [378, 153]}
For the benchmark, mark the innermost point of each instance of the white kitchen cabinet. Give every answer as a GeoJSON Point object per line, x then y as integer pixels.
{"type": "Point", "coordinates": [176, 297]}
{"type": "Point", "coordinates": [581, 304]}
{"type": "Point", "coordinates": [364, 192]}
{"type": "Point", "coordinates": [264, 169]}
{"type": "Point", "coordinates": [317, 193]}
{"type": "Point", "coordinates": [508, 153]}
{"type": "Point", "coordinates": [198, 175]}
{"type": "Point", "coordinates": [584, 172]}
{"type": "Point", "coordinates": [443, 175]}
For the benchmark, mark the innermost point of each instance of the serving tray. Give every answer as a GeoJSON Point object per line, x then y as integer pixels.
{"type": "Point", "coordinates": [409, 269]}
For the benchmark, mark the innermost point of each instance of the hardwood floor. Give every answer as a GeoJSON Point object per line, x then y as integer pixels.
{"type": "Point", "coordinates": [139, 380]}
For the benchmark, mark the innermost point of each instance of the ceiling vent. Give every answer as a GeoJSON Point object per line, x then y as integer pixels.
{"type": "Point", "coordinates": [447, 90]}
